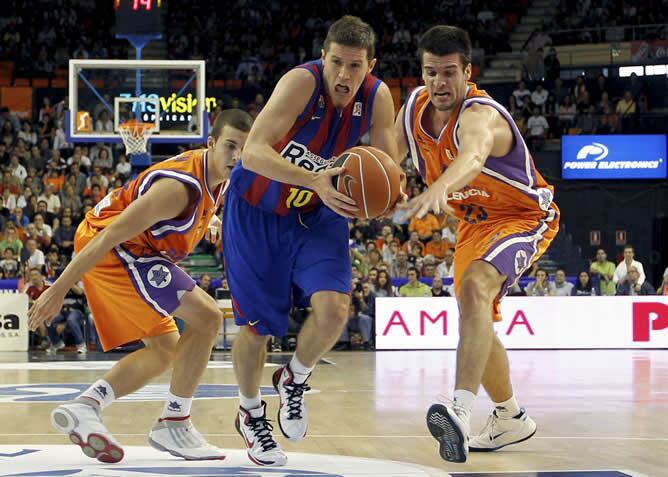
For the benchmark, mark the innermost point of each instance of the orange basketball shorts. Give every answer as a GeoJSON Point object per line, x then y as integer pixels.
{"type": "Point", "coordinates": [511, 246]}
{"type": "Point", "coordinates": [131, 297]}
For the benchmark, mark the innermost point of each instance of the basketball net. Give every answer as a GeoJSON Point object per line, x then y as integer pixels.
{"type": "Point", "coordinates": [135, 135]}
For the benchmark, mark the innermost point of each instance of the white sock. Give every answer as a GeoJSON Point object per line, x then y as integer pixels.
{"type": "Point", "coordinates": [507, 409]}
{"type": "Point", "coordinates": [101, 392]}
{"type": "Point", "coordinates": [300, 371]}
{"type": "Point", "coordinates": [250, 403]}
{"type": "Point", "coordinates": [464, 400]}
{"type": "Point", "coordinates": [176, 407]}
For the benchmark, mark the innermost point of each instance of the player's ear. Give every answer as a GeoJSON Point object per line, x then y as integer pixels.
{"type": "Point", "coordinates": [372, 64]}
{"type": "Point", "coordinates": [322, 54]}
{"type": "Point", "coordinates": [210, 142]}
{"type": "Point", "coordinates": [467, 72]}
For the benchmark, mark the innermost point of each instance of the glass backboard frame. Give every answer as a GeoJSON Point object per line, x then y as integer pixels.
{"type": "Point", "coordinates": [200, 114]}
{"type": "Point", "coordinates": [143, 118]}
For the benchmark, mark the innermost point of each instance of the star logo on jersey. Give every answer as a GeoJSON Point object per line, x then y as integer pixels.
{"type": "Point", "coordinates": [159, 276]}
{"type": "Point", "coordinates": [357, 108]}
{"type": "Point", "coordinates": [521, 261]}
{"type": "Point", "coordinates": [545, 197]}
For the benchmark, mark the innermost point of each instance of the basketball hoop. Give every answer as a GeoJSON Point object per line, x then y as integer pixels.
{"type": "Point", "coordinates": [135, 135]}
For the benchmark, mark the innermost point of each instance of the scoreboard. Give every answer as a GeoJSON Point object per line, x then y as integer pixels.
{"type": "Point", "coordinates": [138, 17]}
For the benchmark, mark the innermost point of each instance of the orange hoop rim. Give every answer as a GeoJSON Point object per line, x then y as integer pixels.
{"type": "Point", "coordinates": [135, 127]}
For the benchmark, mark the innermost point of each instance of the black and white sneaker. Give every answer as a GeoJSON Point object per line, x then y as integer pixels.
{"type": "Point", "coordinates": [255, 428]}
{"type": "Point", "coordinates": [499, 432]}
{"type": "Point", "coordinates": [292, 415]}
{"type": "Point", "coordinates": [450, 428]}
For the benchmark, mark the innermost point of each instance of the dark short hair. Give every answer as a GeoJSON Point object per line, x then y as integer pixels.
{"type": "Point", "coordinates": [542, 270]}
{"type": "Point", "coordinates": [628, 245]}
{"type": "Point", "coordinates": [413, 269]}
{"type": "Point", "coordinates": [236, 118]}
{"type": "Point", "coordinates": [442, 40]}
{"type": "Point", "coordinates": [560, 270]}
{"type": "Point", "coordinates": [352, 31]}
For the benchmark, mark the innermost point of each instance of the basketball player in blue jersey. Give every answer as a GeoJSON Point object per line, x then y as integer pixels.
{"type": "Point", "coordinates": [285, 232]}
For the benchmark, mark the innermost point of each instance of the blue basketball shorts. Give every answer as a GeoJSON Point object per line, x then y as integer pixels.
{"type": "Point", "coordinates": [273, 262]}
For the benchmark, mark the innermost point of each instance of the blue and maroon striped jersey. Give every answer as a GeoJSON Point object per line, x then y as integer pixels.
{"type": "Point", "coordinates": [319, 135]}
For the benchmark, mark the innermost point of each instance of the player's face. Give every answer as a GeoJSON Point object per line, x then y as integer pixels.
{"type": "Point", "coordinates": [344, 71]}
{"type": "Point", "coordinates": [226, 151]}
{"type": "Point", "coordinates": [445, 78]}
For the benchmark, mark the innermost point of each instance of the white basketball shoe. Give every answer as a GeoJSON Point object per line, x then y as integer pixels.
{"type": "Point", "coordinates": [292, 415]}
{"type": "Point", "coordinates": [450, 427]}
{"type": "Point", "coordinates": [253, 426]}
{"type": "Point", "coordinates": [181, 439]}
{"type": "Point", "coordinates": [83, 424]}
{"type": "Point", "coordinates": [499, 432]}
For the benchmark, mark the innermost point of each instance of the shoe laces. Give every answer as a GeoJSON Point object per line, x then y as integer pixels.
{"type": "Point", "coordinates": [447, 402]}
{"type": "Point", "coordinates": [262, 428]}
{"type": "Point", "coordinates": [492, 421]}
{"type": "Point", "coordinates": [295, 392]}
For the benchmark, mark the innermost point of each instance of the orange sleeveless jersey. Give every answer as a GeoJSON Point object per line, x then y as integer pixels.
{"type": "Point", "coordinates": [174, 239]}
{"type": "Point", "coordinates": [508, 186]}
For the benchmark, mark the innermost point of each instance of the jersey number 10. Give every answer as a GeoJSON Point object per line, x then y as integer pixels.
{"type": "Point", "coordinates": [298, 197]}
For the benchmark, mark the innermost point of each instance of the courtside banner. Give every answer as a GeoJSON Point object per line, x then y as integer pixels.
{"type": "Point", "coordinates": [13, 322]}
{"type": "Point", "coordinates": [529, 322]}
{"type": "Point", "coordinates": [614, 157]}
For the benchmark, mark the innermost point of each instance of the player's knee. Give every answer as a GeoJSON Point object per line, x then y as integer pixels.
{"type": "Point", "coordinates": [214, 321]}
{"type": "Point", "coordinates": [249, 339]}
{"type": "Point", "coordinates": [163, 348]}
{"type": "Point", "coordinates": [330, 311]}
{"type": "Point", "coordinates": [473, 293]}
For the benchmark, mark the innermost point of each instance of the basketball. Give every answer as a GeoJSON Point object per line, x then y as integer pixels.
{"type": "Point", "coordinates": [371, 178]}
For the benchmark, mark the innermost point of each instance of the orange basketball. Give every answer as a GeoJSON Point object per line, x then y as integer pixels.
{"type": "Point", "coordinates": [371, 178]}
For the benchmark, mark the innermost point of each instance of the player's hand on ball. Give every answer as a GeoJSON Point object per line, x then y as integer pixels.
{"type": "Point", "coordinates": [435, 199]}
{"type": "Point", "coordinates": [45, 308]}
{"type": "Point", "coordinates": [335, 200]}
{"type": "Point", "coordinates": [212, 229]}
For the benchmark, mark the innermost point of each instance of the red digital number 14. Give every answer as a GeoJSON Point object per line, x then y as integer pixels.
{"type": "Point", "coordinates": [147, 4]}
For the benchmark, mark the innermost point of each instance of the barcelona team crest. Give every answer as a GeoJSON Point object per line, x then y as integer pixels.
{"type": "Point", "coordinates": [357, 108]}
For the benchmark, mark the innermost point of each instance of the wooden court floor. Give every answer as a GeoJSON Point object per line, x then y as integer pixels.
{"type": "Point", "coordinates": [595, 410]}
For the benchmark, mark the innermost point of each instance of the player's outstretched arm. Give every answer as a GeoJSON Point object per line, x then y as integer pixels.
{"type": "Point", "coordinates": [400, 137]}
{"type": "Point", "coordinates": [476, 139]}
{"type": "Point", "coordinates": [166, 199]}
{"type": "Point", "coordinates": [290, 97]}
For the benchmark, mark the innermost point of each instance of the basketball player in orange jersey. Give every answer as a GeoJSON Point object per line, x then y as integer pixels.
{"type": "Point", "coordinates": [126, 249]}
{"type": "Point", "coordinates": [285, 233]}
{"type": "Point", "coordinates": [477, 168]}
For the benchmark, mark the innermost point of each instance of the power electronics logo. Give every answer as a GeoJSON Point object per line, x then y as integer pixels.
{"type": "Point", "coordinates": [596, 150]}
{"type": "Point", "coordinates": [591, 156]}
{"type": "Point", "coordinates": [648, 317]}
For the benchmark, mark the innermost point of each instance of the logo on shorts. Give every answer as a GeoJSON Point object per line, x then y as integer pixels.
{"type": "Point", "coordinates": [521, 261]}
{"type": "Point", "coordinates": [159, 276]}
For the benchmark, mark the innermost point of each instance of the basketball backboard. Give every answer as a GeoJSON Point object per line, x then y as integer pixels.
{"type": "Point", "coordinates": [105, 93]}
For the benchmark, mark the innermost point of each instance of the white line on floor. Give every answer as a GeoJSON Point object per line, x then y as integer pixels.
{"type": "Point", "coordinates": [337, 436]}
